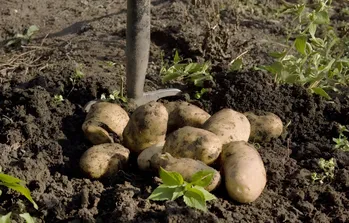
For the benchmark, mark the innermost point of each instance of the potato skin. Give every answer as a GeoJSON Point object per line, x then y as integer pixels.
{"type": "Point", "coordinates": [195, 143]}
{"type": "Point", "coordinates": [187, 167]}
{"type": "Point", "coordinates": [244, 171]}
{"type": "Point", "coordinates": [104, 160]}
{"type": "Point", "coordinates": [229, 126]}
{"type": "Point", "coordinates": [183, 114]}
{"type": "Point", "coordinates": [104, 117]}
{"type": "Point", "coordinates": [264, 127]}
{"type": "Point", "coordinates": [143, 159]}
{"type": "Point", "coordinates": [147, 127]}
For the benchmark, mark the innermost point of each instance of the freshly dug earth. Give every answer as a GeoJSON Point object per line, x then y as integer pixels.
{"type": "Point", "coordinates": [41, 140]}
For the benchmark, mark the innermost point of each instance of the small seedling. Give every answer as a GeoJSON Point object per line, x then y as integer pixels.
{"type": "Point", "coordinates": [189, 72]}
{"type": "Point", "coordinates": [58, 98]}
{"type": "Point", "coordinates": [22, 39]}
{"type": "Point", "coordinates": [342, 142]}
{"type": "Point", "coordinates": [116, 95]}
{"type": "Point", "coordinates": [327, 168]}
{"type": "Point", "coordinates": [7, 218]}
{"type": "Point", "coordinates": [237, 63]}
{"type": "Point", "coordinates": [193, 193]}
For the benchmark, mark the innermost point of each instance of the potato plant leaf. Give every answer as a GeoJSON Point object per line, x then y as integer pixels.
{"type": "Point", "coordinates": [207, 195]}
{"type": "Point", "coordinates": [171, 178]}
{"type": "Point", "coordinates": [165, 192]}
{"type": "Point", "coordinates": [321, 92]}
{"type": "Point", "coordinates": [27, 218]}
{"type": "Point", "coordinates": [5, 218]}
{"type": "Point", "coordinates": [300, 44]}
{"type": "Point", "coordinates": [202, 178]}
{"type": "Point", "coordinates": [195, 198]}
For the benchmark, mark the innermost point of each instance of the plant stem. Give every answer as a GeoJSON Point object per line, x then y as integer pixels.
{"type": "Point", "coordinates": [137, 46]}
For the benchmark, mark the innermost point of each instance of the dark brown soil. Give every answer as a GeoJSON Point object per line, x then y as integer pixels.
{"type": "Point", "coordinates": [41, 139]}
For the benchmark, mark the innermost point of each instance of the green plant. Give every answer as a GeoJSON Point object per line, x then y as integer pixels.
{"type": "Point", "coordinates": [194, 193]}
{"type": "Point", "coordinates": [58, 98]}
{"type": "Point", "coordinates": [115, 95]}
{"type": "Point", "coordinates": [22, 39]}
{"type": "Point", "coordinates": [189, 72]}
{"type": "Point", "coordinates": [7, 218]}
{"type": "Point", "coordinates": [316, 59]}
{"type": "Point", "coordinates": [327, 168]}
{"type": "Point", "coordinates": [342, 142]}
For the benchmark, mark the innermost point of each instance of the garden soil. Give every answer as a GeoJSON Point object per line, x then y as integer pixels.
{"type": "Point", "coordinates": [41, 140]}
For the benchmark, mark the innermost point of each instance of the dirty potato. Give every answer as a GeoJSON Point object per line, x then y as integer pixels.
{"type": "Point", "coordinates": [195, 143]}
{"type": "Point", "coordinates": [102, 120]}
{"type": "Point", "coordinates": [182, 114]}
{"type": "Point", "coordinates": [147, 127]}
{"type": "Point", "coordinates": [264, 127]}
{"type": "Point", "coordinates": [104, 160]}
{"type": "Point", "coordinates": [187, 167]}
{"type": "Point", "coordinates": [229, 126]}
{"type": "Point", "coordinates": [143, 159]}
{"type": "Point", "coordinates": [244, 171]}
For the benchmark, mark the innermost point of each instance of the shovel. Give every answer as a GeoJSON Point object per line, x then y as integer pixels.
{"type": "Point", "coordinates": [137, 54]}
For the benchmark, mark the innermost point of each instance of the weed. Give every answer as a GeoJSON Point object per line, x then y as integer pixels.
{"type": "Point", "coordinates": [58, 98]}
{"type": "Point", "coordinates": [189, 72]}
{"type": "Point", "coordinates": [76, 77]}
{"type": "Point", "coordinates": [116, 95]}
{"type": "Point", "coordinates": [327, 168]}
{"type": "Point", "coordinates": [342, 142]}
{"type": "Point", "coordinates": [318, 63]}
{"type": "Point", "coordinates": [194, 193]}
{"type": "Point", "coordinates": [22, 39]}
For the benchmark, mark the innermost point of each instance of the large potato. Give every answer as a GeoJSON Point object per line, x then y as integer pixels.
{"type": "Point", "coordinates": [104, 160]}
{"type": "Point", "coordinates": [229, 126]}
{"type": "Point", "coordinates": [244, 171]}
{"type": "Point", "coordinates": [264, 127]}
{"type": "Point", "coordinates": [103, 119]}
{"type": "Point", "coordinates": [195, 143]}
{"type": "Point", "coordinates": [182, 114]}
{"type": "Point", "coordinates": [185, 166]}
{"type": "Point", "coordinates": [147, 127]}
{"type": "Point", "coordinates": [143, 159]}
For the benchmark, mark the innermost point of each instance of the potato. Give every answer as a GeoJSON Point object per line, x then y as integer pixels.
{"type": "Point", "coordinates": [187, 167]}
{"type": "Point", "coordinates": [195, 143]}
{"type": "Point", "coordinates": [184, 114]}
{"type": "Point", "coordinates": [229, 126]}
{"type": "Point", "coordinates": [104, 160]}
{"type": "Point", "coordinates": [244, 171]}
{"type": "Point", "coordinates": [143, 159]}
{"type": "Point", "coordinates": [264, 127]}
{"type": "Point", "coordinates": [147, 127]}
{"type": "Point", "coordinates": [103, 119]}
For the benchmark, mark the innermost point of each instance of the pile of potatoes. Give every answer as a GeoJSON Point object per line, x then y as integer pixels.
{"type": "Point", "coordinates": [181, 137]}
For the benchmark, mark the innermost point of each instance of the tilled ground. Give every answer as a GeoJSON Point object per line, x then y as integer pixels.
{"type": "Point", "coordinates": [41, 140]}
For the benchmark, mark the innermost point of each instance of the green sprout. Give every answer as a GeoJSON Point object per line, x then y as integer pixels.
{"type": "Point", "coordinates": [327, 168]}
{"type": "Point", "coordinates": [22, 39]}
{"type": "Point", "coordinates": [342, 142]}
{"type": "Point", "coordinates": [194, 193]}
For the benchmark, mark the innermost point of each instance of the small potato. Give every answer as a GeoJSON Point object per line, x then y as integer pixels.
{"type": "Point", "coordinates": [104, 118]}
{"type": "Point", "coordinates": [104, 160]}
{"type": "Point", "coordinates": [184, 114]}
{"type": "Point", "coordinates": [147, 127]}
{"type": "Point", "coordinates": [185, 166]}
{"type": "Point", "coordinates": [195, 143]}
{"type": "Point", "coordinates": [244, 171]}
{"type": "Point", "coordinates": [229, 126]}
{"type": "Point", "coordinates": [143, 159]}
{"type": "Point", "coordinates": [264, 127]}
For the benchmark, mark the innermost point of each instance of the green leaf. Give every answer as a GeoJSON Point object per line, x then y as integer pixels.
{"type": "Point", "coordinates": [236, 64]}
{"type": "Point", "coordinates": [171, 178]}
{"type": "Point", "coordinates": [322, 18]}
{"type": "Point", "coordinates": [300, 44]}
{"type": "Point", "coordinates": [312, 29]}
{"type": "Point", "coordinates": [21, 189]}
{"type": "Point", "coordinates": [195, 198]}
{"type": "Point", "coordinates": [9, 179]}
{"type": "Point", "coordinates": [202, 178]}
{"type": "Point", "coordinates": [5, 218]}
{"type": "Point", "coordinates": [176, 58]}
{"type": "Point", "coordinates": [278, 55]}
{"type": "Point", "coordinates": [27, 217]}
{"type": "Point", "coordinates": [165, 192]}
{"type": "Point", "coordinates": [31, 30]}
{"type": "Point", "coordinates": [207, 195]}
{"type": "Point", "coordinates": [321, 92]}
